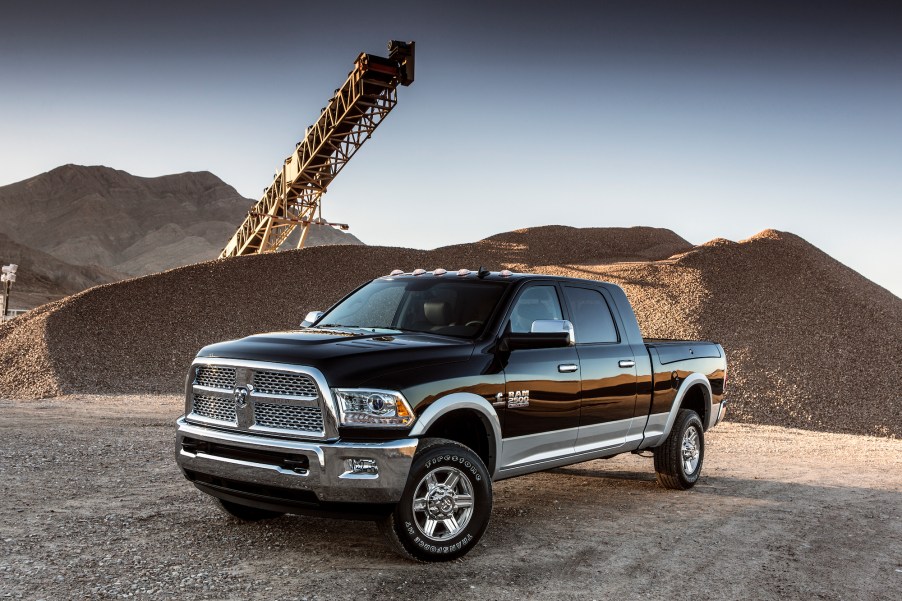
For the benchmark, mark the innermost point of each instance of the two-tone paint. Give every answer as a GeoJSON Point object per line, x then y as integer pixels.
{"type": "Point", "coordinates": [584, 400]}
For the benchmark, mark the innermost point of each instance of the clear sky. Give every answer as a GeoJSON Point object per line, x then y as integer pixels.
{"type": "Point", "coordinates": [713, 119]}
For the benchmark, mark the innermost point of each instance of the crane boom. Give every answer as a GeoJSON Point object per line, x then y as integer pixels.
{"type": "Point", "coordinates": [347, 121]}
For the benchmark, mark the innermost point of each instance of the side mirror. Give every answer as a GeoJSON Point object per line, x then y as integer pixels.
{"type": "Point", "coordinates": [545, 333]}
{"type": "Point", "coordinates": [554, 326]}
{"type": "Point", "coordinates": [311, 318]}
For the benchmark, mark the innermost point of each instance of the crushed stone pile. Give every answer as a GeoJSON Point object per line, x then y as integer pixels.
{"type": "Point", "coordinates": [811, 343]}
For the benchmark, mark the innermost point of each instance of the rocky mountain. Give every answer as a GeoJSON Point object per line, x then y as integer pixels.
{"type": "Point", "coordinates": [43, 278]}
{"type": "Point", "coordinates": [119, 224]}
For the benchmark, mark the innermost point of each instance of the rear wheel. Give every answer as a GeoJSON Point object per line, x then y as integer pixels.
{"type": "Point", "coordinates": [246, 513]}
{"type": "Point", "coordinates": [446, 504]}
{"type": "Point", "coordinates": [678, 462]}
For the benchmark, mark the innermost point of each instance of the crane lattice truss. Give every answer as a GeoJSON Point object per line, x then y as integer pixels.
{"type": "Point", "coordinates": [293, 199]}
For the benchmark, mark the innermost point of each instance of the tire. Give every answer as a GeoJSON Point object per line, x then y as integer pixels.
{"type": "Point", "coordinates": [678, 462]}
{"type": "Point", "coordinates": [417, 528]}
{"type": "Point", "coordinates": [246, 513]}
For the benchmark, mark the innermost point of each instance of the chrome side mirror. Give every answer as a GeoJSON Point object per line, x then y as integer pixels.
{"type": "Point", "coordinates": [554, 326]}
{"type": "Point", "coordinates": [311, 318]}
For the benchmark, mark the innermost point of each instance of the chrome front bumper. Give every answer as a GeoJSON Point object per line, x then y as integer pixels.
{"type": "Point", "coordinates": [323, 468]}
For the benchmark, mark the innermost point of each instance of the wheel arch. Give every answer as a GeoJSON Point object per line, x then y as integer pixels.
{"type": "Point", "coordinates": [698, 398]}
{"type": "Point", "coordinates": [694, 393]}
{"type": "Point", "coordinates": [466, 418]}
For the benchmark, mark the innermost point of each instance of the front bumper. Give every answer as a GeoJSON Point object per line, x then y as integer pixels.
{"type": "Point", "coordinates": [287, 474]}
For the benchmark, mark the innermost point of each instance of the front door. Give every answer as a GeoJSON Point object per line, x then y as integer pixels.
{"type": "Point", "coordinates": [541, 405]}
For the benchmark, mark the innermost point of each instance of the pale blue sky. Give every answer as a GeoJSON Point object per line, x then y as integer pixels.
{"type": "Point", "coordinates": [710, 120]}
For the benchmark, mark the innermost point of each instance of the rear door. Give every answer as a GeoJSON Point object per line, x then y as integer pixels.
{"type": "Point", "coordinates": [607, 368]}
{"type": "Point", "coordinates": [541, 407]}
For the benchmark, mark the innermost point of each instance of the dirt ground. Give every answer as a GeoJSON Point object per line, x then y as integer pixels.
{"type": "Point", "coordinates": [93, 506]}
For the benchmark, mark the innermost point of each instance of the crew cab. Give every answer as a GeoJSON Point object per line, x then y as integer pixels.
{"type": "Point", "coordinates": [408, 398]}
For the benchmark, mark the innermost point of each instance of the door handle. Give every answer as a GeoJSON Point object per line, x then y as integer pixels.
{"type": "Point", "coordinates": [627, 363]}
{"type": "Point", "coordinates": [567, 368]}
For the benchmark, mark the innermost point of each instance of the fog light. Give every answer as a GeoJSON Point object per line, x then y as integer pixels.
{"type": "Point", "coordinates": [362, 466]}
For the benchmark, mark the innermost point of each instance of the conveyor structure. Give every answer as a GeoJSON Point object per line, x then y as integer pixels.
{"type": "Point", "coordinates": [294, 198]}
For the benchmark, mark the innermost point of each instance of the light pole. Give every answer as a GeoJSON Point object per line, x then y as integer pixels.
{"type": "Point", "coordinates": [7, 277]}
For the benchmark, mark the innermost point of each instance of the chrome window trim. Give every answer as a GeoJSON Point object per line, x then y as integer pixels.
{"type": "Point", "coordinates": [325, 399]}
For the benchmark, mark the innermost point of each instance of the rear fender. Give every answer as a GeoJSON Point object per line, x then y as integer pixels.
{"type": "Point", "coordinates": [659, 425]}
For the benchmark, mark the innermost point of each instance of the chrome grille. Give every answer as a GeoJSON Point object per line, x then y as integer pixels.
{"type": "Point", "coordinates": [289, 417]}
{"type": "Point", "coordinates": [214, 408]}
{"type": "Point", "coordinates": [273, 382]}
{"type": "Point", "coordinates": [215, 376]}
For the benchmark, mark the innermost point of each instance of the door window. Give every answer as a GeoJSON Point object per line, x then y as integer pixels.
{"type": "Point", "coordinates": [537, 302]}
{"type": "Point", "coordinates": [591, 316]}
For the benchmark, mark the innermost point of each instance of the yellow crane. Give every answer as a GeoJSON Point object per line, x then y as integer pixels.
{"type": "Point", "coordinates": [348, 120]}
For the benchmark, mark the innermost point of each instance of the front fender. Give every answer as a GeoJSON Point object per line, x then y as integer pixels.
{"type": "Point", "coordinates": [461, 401]}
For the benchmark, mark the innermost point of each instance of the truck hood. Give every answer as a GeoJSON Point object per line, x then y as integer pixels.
{"type": "Point", "coordinates": [346, 357]}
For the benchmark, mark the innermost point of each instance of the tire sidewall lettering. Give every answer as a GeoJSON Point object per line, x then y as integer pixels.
{"type": "Point", "coordinates": [468, 465]}
{"type": "Point", "coordinates": [432, 548]}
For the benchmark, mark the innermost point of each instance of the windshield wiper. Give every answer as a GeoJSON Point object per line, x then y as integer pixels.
{"type": "Point", "coordinates": [373, 328]}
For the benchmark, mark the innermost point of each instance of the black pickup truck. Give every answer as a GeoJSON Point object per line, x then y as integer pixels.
{"type": "Point", "coordinates": [409, 397]}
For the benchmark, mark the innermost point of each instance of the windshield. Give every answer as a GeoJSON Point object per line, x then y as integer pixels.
{"type": "Point", "coordinates": [448, 307]}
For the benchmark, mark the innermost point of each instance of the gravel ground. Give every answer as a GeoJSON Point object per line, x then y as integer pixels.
{"type": "Point", "coordinates": [95, 507]}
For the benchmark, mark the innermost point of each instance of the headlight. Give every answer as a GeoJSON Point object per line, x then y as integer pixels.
{"type": "Point", "coordinates": [381, 408]}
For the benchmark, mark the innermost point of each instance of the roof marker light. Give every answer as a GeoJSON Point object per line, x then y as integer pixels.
{"type": "Point", "coordinates": [419, 271]}
{"type": "Point", "coordinates": [440, 271]}
{"type": "Point", "coordinates": [463, 272]}
{"type": "Point", "coordinates": [396, 272]}
{"type": "Point", "coordinates": [506, 273]}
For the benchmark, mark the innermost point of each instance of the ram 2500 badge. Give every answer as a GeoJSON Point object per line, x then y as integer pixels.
{"type": "Point", "coordinates": [407, 399]}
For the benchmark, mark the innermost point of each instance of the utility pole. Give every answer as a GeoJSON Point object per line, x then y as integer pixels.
{"type": "Point", "coordinates": [7, 277]}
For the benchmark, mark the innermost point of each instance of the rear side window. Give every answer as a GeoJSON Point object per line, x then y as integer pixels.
{"type": "Point", "coordinates": [592, 319]}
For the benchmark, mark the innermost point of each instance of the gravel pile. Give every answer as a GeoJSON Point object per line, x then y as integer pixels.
{"type": "Point", "coordinates": [811, 343]}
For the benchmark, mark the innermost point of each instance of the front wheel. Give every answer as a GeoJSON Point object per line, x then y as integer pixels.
{"type": "Point", "coordinates": [446, 504]}
{"type": "Point", "coordinates": [678, 462]}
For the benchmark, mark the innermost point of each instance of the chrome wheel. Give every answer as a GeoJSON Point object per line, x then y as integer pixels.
{"type": "Point", "coordinates": [691, 450]}
{"type": "Point", "coordinates": [443, 503]}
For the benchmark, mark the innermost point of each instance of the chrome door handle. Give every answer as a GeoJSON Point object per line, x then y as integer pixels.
{"type": "Point", "coordinates": [567, 368]}
{"type": "Point", "coordinates": [627, 363]}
